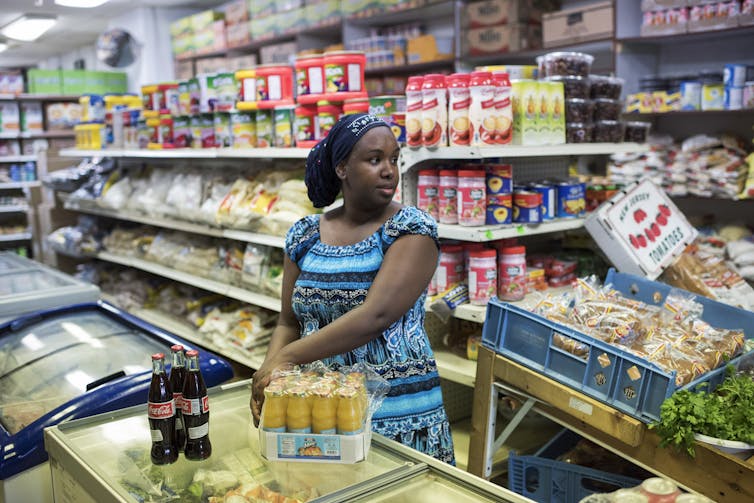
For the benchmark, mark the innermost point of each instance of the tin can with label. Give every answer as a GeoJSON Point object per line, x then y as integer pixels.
{"type": "Point", "coordinates": [500, 211]}
{"type": "Point", "coordinates": [571, 199]}
{"type": "Point", "coordinates": [527, 207]}
{"type": "Point", "coordinates": [549, 203]}
{"type": "Point", "coordinates": [499, 179]}
{"type": "Point", "coordinates": [283, 123]}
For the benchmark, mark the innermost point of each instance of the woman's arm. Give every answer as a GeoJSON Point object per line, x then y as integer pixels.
{"type": "Point", "coordinates": [405, 272]}
{"type": "Point", "coordinates": [286, 331]}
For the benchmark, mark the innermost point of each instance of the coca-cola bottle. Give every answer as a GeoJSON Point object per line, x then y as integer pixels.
{"type": "Point", "coordinates": [177, 378]}
{"type": "Point", "coordinates": [195, 410]}
{"type": "Point", "coordinates": [161, 413]}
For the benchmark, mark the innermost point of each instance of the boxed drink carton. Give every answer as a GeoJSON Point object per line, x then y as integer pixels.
{"type": "Point", "coordinates": [525, 98]}
{"type": "Point", "coordinates": [316, 448]}
{"type": "Point", "coordinates": [640, 229]}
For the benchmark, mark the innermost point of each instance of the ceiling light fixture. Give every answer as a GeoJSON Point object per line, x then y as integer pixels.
{"type": "Point", "coordinates": [80, 4]}
{"type": "Point", "coordinates": [28, 27]}
{"type": "Point", "coordinates": [3, 46]}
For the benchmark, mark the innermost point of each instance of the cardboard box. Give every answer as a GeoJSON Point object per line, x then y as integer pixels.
{"type": "Point", "coordinates": [321, 13]}
{"type": "Point", "coordinates": [502, 38]}
{"type": "Point", "coordinates": [205, 19]}
{"type": "Point", "coordinates": [582, 24]}
{"type": "Point", "coordinates": [44, 81]}
{"type": "Point", "coordinates": [494, 12]}
{"type": "Point", "coordinates": [640, 229]}
{"type": "Point", "coordinates": [238, 34]}
{"type": "Point", "coordinates": [263, 27]}
{"type": "Point", "coordinates": [115, 82]}
{"type": "Point", "coordinates": [261, 8]}
{"type": "Point", "coordinates": [11, 83]}
{"type": "Point", "coordinates": [428, 48]}
{"type": "Point", "coordinates": [74, 81]}
{"type": "Point", "coordinates": [183, 45]}
{"type": "Point", "coordinates": [211, 39]}
{"type": "Point", "coordinates": [244, 62]}
{"type": "Point", "coordinates": [184, 70]}
{"type": "Point", "coordinates": [181, 27]}
{"type": "Point", "coordinates": [211, 65]}
{"type": "Point", "coordinates": [236, 12]}
{"type": "Point", "coordinates": [278, 53]}
{"type": "Point", "coordinates": [315, 448]}
{"type": "Point", "coordinates": [31, 117]}
{"type": "Point", "coordinates": [10, 118]}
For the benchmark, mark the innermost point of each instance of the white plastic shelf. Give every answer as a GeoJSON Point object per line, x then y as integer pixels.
{"type": "Point", "coordinates": [14, 208]}
{"type": "Point", "coordinates": [192, 153]}
{"type": "Point", "coordinates": [20, 185]}
{"type": "Point", "coordinates": [455, 368]}
{"type": "Point", "coordinates": [234, 292]}
{"type": "Point", "coordinates": [21, 236]}
{"type": "Point", "coordinates": [166, 223]}
{"type": "Point", "coordinates": [17, 158]}
{"type": "Point", "coordinates": [411, 157]}
{"type": "Point", "coordinates": [494, 232]}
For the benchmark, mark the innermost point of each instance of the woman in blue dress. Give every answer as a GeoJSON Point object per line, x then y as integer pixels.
{"type": "Point", "coordinates": [354, 284]}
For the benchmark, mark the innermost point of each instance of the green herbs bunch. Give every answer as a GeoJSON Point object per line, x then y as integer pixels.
{"type": "Point", "coordinates": [726, 413]}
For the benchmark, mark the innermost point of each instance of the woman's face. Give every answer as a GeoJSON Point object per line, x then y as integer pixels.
{"type": "Point", "coordinates": [370, 174]}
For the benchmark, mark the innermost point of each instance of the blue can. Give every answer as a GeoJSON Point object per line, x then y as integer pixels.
{"type": "Point", "coordinates": [500, 211]}
{"type": "Point", "coordinates": [549, 206]}
{"type": "Point", "coordinates": [29, 172]}
{"type": "Point", "coordinates": [15, 172]}
{"type": "Point", "coordinates": [571, 199]}
{"type": "Point", "coordinates": [527, 207]}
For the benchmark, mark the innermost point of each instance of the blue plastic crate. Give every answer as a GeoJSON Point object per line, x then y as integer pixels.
{"type": "Point", "coordinates": [544, 479]}
{"type": "Point", "coordinates": [627, 382]}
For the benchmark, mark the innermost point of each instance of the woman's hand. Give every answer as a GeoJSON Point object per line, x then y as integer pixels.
{"type": "Point", "coordinates": [262, 378]}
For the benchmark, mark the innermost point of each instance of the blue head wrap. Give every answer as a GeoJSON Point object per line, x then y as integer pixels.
{"type": "Point", "coordinates": [322, 183]}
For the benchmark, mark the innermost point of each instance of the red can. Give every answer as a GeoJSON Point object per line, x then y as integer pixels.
{"type": "Point", "coordinates": [344, 74]}
{"type": "Point", "coordinates": [274, 86]}
{"type": "Point", "coordinates": [356, 106]}
{"type": "Point", "coordinates": [310, 78]}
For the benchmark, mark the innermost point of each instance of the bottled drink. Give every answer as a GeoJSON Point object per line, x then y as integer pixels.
{"type": "Point", "coordinates": [195, 410]}
{"type": "Point", "coordinates": [161, 414]}
{"type": "Point", "coordinates": [177, 378]}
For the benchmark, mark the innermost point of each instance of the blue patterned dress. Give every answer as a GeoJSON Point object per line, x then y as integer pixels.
{"type": "Point", "coordinates": [334, 280]}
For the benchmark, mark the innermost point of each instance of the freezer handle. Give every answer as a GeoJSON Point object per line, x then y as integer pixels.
{"type": "Point", "coordinates": [24, 321]}
{"type": "Point", "coordinates": [103, 380]}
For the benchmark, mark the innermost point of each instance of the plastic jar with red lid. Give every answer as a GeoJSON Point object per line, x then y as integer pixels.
{"type": "Point", "coordinates": [512, 273]}
{"type": "Point", "coordinates": [450, 269]}
{"type": "Point", "coordinates": [310, 78]}
{"type": "Point", "coordinates": [459, 100]}
{"type": "Point", "coordinates": [414, 111]}
{"type": "Point", "coordinates": [344, 74]}
{"type": "Point", "coordinates": [427, 191]}
{"type": "Point", "coordinates": [472, 200]}
{"type": "Point", "coordinates": [247, 85]}
{"type": "Point", "coordinates": [482, 276]}
{"type": "Point", "coordinates": [434, 111]}
{"type": "Point", "coordinates": [447, 196]}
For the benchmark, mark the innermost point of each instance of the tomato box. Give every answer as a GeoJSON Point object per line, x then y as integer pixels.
{"type": "Point", "coordinates": [640, 229]}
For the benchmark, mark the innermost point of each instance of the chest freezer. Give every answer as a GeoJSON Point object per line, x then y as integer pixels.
{"type": "Point", "coordinates": [105, 458]}
{"type": "Point", "coordinates": [72, 362]}
{"type": "Point", "coordinates": [26, 286]}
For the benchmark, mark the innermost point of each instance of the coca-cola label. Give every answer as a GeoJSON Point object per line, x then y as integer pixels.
{"type": "Point", "coordinates": [195, 406]}
{"type": "Point", "coordinates": [198, 431]}
{"type": "Point", "coordinates": [178, 397]}
{"type": "Point", "coordinates": [161, 410]}
{"type": "Point", "coordinates": [156, 435]}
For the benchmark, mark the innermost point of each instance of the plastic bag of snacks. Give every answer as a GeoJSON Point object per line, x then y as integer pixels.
{"type": "Point", "coordinates": [324, 413]}
{"type": "Point", "coordinates": [652, 490]}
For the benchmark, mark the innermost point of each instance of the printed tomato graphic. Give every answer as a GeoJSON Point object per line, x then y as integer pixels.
{"type": "Point", "coordinates": [655, 230]}
{"type": "Point", "coordinates": [639, 216]}
{"type": "Point", "coordinates": [633, 240]}
{"type": "Point", "coordinates": [664, 210]}
{"type": "Point", "coordinates": [642, 241]}
{"type": "Point", "coordinates": [661, 219]}
{"type": "Point", "coordinates": [650, 235]}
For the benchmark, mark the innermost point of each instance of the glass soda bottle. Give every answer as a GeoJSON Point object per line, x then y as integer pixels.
{"type": "Point", "coordinates": [177, 378]}
{"type": "Point", "coordinates": [195, 410]}
{"type": "Point", "coordinates": [161, 414]}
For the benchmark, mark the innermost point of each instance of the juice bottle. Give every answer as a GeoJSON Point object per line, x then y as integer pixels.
{"type": "Point", "coordinates": [324, 409]}
{"type": "Point", "coordinates": [275, 407]}
{"type": "Point", "coordinates": [299, 411]}
{"type": "Point", "coordinates": [350, 416]}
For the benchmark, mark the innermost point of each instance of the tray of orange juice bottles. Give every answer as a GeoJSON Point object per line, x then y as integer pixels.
{"type": "Point", "coordinates": [316, 414]}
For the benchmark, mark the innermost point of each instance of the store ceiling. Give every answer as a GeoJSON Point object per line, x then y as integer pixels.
{"type": "Point", "coordinates": [75, 27]}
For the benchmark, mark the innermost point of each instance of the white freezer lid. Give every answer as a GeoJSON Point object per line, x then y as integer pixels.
{"type": "Point", "coordinates": [25, 290]}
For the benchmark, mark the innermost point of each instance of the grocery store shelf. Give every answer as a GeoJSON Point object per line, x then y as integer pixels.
{"type": "Point", "coordinates": [602, 46]}
{"type": "Point", "coordinates": [20, 185]}
{"type": "Point", "coordinates": [166, 223]}
{"type": "Point", "coordinates": [207, 284]}
{"type": "Point", "coordinates": [493, 232]}
{"type": "Point", "coordinates": [63, 133]}
{"type": "Point", "coordinates": [21, 236]}
{"type": "Point", "coordinates": [695, 114]}
{"type": "Point", "coordinates": [409, 67]}
{"type": "Point", "coordinates": [39, 97]}
{"type": "Point", "coordinates": [185, 331]}
{"type": "Point", "coordinates": [455, 368]}
{"type": "Point", "coordinates": [18, 158]}
{"type": "Point", "coordinates": [411, 157]}
{"type": "Point", "coordinates": [14, 208]}
{"type": "Point", "coordinates": [743, 32]}
{"type": "Point", "coordinates": [403, 14]}
{"type": "Point", "coordinates": [191, 153]}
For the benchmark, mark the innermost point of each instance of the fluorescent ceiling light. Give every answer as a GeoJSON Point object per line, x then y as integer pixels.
{"type": "Point", "coordinates": [3, 46]}
{"type": "Point", "coordinates": [28, 27]}
{"type": "Point", "coordinates": [83, 4]}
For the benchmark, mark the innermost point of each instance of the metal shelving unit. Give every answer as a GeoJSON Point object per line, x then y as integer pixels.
{"type": "Point", "coordinates": [188, 153]}
{"type": "Point", "coordinates": [17, 158]}
{"type": "Point", "coordinates": [231, 291]}
{"type": "Point", "coordinates": [21, 236]}
{"type": "Point", "coordinates": [493, 232]}
{"type": "Point", "coordinates": [14, 208]}
{"type": "Point", "coordinates": [194, 228]}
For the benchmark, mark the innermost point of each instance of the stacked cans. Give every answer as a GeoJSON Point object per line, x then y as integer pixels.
{"type": "Point", "coordinates": [734, 80]}
{"type": "Point", "coordinates": [499, 185]}
{"type": "Point", "coordinates": [543, 201]}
